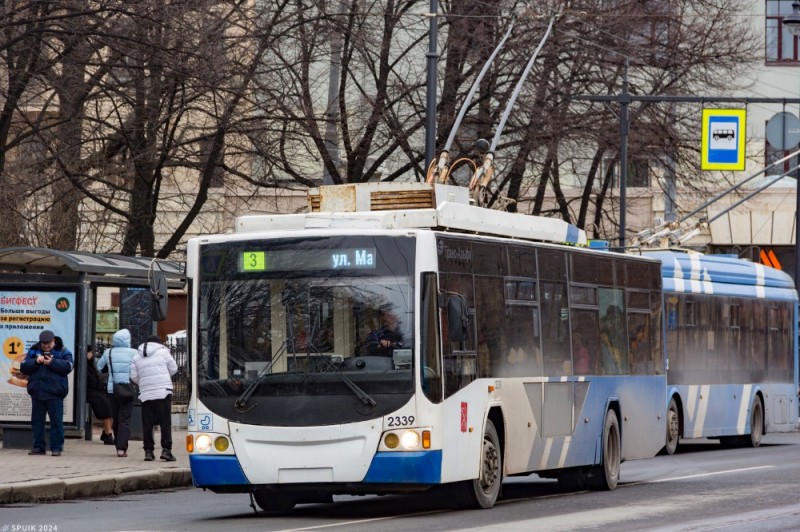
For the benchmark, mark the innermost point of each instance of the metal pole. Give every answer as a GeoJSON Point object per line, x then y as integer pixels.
{"type": "Point", "coordinates": [625, 100]}
{"type": "Point", "coordinates": [797, 236]}
{"type": "Point", "coordinates": [430, 101]}
{"type": "Point", "coordinates": [332, 112]}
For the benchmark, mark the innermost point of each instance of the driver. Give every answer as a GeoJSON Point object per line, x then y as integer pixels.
{"type": "Point", "coordinates": [383, 341]}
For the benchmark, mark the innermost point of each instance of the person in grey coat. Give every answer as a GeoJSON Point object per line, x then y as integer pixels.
{"type": "Point", "coordinates": [118, 358]}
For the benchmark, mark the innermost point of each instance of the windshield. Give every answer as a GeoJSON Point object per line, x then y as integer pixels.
{"type": "Point", "coordinates": [313, 331]}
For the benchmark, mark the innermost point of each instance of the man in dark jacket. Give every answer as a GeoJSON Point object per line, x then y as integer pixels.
{"type": "Point", "coordinates": [383, 341]}
{"type": "Point", "coordinates": [47, 365]}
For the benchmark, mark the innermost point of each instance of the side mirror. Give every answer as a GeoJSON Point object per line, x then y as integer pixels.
{"type": "Point", "coordinates": [457, 318]}
{"type": "Point", "coordinates": [158, 296]}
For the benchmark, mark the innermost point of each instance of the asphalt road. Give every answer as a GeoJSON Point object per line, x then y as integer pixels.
{"type": "Point", "coordinates": [702, 487]}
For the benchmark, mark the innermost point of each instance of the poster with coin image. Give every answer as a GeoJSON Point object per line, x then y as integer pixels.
{"type": "Point", "coordinates": [23, 315]}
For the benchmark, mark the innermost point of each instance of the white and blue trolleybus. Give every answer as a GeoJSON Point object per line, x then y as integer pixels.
{"type": "Point", "coordinates": [395, 339]}
{"type": "Point", "coordinates": [731, 327]}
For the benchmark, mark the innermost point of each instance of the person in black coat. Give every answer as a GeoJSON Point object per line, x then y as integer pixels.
{"type": "Point", "coordinates": [97, 397]}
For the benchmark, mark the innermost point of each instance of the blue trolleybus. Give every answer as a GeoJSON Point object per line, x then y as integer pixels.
{"type": "Point", "coordinates": [396, 339]}
{"type": "Point", "coordinates": [731, 328]}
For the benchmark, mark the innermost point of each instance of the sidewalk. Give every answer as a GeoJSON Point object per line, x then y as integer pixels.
{"type": "Point", "coordinates": [89, 469]}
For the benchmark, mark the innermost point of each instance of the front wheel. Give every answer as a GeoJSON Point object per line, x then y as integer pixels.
{"type": "Point", "coordinates": [483, 491]}
{"type": "Point", "coordinates": [673, 427]}
{"type": "Point", "coordinates": [606, 475]}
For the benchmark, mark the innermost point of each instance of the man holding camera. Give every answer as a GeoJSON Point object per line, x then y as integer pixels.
{"type": "Point", "coordinates": [47, 365]}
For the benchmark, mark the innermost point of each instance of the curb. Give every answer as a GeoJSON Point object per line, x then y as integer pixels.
{"type": "Point", "coordinates": [94, 486]}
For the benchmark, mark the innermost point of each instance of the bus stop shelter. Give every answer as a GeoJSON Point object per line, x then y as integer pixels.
{"type": "Point", "coordinates": [49, 289]}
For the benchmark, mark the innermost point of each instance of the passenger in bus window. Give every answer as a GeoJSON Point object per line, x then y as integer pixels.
{"type": "Point", "coordinates": [580, 355]}
{"type": "Point", "coordinates": [639, 349]}
{"type": "Point", "coordinates": [614, 341]}
{"type": "Point", "coordinates": [612, 361]}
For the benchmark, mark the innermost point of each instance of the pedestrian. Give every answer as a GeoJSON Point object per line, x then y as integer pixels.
{"type": "Point", "coordinates": [153, 367]}
{"type": "Point", "coordinates": [119, 359]}
{"type": "Point", "coordinates": [47, 365]}
{"type": "Point", "coordinates": [97, 397]}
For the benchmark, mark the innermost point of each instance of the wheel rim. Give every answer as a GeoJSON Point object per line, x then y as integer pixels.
{"type": "Point", "coordinates": [612, 455]}
{"type": "Point", "coordinates": [490, 467]}
{"type": "Point", "coordinates": [672, 425]}
{"type": "Point", "coordinates": [756, 423]}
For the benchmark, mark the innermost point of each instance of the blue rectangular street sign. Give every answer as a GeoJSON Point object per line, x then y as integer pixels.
{"type": "Point", "coordinates": [723, 139]}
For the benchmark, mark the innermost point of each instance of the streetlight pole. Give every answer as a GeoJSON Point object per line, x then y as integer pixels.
{"type": "Point", "coordinates": [430, 100]}
{"type": "Point", "coordinates": [624, 100]}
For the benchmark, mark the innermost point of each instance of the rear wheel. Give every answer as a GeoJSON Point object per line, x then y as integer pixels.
{"type": "Point", "coordinates": [272, 501]}
{"type": "Point", "coordinates": [756, 423]}
{"type": "Point", "coordinates": [673, 427]}
{"type": "Point", "coordinates": [756, 429]}
{"type": "Point", "coordinates": [606, 475]}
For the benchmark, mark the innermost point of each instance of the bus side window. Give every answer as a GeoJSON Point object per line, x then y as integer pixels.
{"type": "Point", "coordinates": [431, 370]}
{"type": "Point", "coordinates": [458, 332]}
{"type": "Point", "coordinates": [555, 329]}
{"type": "Point", "coordinates": [613, 332]}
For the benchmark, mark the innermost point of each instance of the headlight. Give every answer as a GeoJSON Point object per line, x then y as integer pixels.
{"type": "Point", "coordinates": [409, 440]}
{"type": "Point", "coordinates": [406, 440]}
{"type": "Point", "coordinates": [391, 440]}
{"type": "Point", "coordinates": [221, 444]}
{"type": "Point", "coordinates": [202, 443]}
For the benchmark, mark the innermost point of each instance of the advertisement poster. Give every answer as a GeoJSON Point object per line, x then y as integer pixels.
{"type": "Point", "coordinates": [23, 315]}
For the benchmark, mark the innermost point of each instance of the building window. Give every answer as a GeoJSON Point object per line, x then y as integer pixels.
{"type": "Point", "coordinates": [781, 45]}
{"type": "Point", "coordinates": [638, 172]}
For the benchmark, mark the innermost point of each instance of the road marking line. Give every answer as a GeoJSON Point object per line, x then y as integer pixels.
{"type": "Point", "coordinates": [707, 474]}
{"type": "Point", "coordinates": [361, 521]}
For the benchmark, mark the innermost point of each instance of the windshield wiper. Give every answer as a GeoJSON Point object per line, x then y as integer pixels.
{"type": "Point", "coordinates": [241, 402]}
{"type": "Point", "coordinates": [357, 391]}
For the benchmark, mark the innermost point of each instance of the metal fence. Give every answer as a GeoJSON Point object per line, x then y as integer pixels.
{"type": "Point", "coordinates": [182, 380]}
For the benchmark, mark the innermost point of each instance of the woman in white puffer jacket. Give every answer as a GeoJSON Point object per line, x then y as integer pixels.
{"type": "Point", "coordinates": [152, 369]}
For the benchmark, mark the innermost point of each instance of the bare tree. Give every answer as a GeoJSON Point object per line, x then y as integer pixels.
{"type": "Point", "coordinates": [159, 116]}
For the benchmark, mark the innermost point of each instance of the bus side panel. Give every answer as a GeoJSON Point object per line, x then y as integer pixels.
{"type": "Point", "coordinates": [552, 424]}
{"type": "Point", "coordinates": [642, 414]}
{"type": "Point", "coordinates": [724, 409]}
{"type": "Point", "coordinates": [556, 445]}
{"type": "Point", "coordinates": [461, 427]}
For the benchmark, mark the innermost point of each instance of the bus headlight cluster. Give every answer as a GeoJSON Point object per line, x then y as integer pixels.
{"type": "Point", "coordinates": [406, 440]}
{"type": "Point", "coordinates": [203, 443]}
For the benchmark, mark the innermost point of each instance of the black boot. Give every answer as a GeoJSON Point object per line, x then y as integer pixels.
{"type": "Point", "coordinates": [167, 455]}
{"type": "Point", "coordinates": [107, 439]}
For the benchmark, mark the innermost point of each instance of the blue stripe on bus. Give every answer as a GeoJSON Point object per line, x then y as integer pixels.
{"type": "Point", "coordinates": [572, 234]}
{"type": "Point", "coordinates": [216, 471]}
{"type": "Point", "coordinates": [423, 467]}
{"type": "Point", "coordinates": [726, 275]}
{"type": "Point", "coordinates": [720, 289]}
